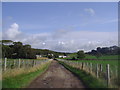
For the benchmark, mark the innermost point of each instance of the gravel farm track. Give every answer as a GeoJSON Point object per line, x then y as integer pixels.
{"type": "Point", "coordinates": [56, 77]}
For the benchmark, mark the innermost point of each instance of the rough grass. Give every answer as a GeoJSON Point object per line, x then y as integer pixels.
{"type": "Point", "coordinates": [21, 78]}
{"type": "Point", "coordinates": [88, 80]}
{"type": "Point", "coordinates": [17, 71]}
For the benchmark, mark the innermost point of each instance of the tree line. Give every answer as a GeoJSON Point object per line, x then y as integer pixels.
{"type": "Point", "coordinates": [12, 49]}
{"type": "Point", "coordinates": [113, 50]}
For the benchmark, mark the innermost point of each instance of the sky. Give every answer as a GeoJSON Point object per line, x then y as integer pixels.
{"type": "Point", "coordinates": [62, 26]}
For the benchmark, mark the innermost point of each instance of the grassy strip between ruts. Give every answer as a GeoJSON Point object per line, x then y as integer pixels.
{"type": "Point", "coordinates": [23, 80]}
{"type": "Point", "coordinates": [88, 80]}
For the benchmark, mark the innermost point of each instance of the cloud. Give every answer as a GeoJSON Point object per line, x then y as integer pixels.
{"type": "Point", "coordinates": [90, 11]}
{"type": "Point", "coordinates": [36, 40]}
{"type": "Point", "coordinates": [59, 33]}
{"type": "Point", "coordinates": [63, 40]}
{"type": "Point", "coordinates": [13, 31]}
{"type": "Point", "coordinates": [87, 40]}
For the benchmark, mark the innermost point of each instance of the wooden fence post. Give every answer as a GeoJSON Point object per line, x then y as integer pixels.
{"type": "Point", "coordinates": [100, 67]}
{"type": "Point", "coordinates": [26, 63]}
{"type": "Point", "coordinates": [97, 70]}
{"type": "Point", "coordinates": [33, 63]}
{"type": "Point", "coordinates": [87, 64]}
{"type": "Point", "coordinates": [87, 67]}
{"type": "Point", "coordinates": [116, 71]}
{"type": "Point", "coordinates": [5, 64]}
{"type": "Point", "coordinates": [19, 63]}
{"type": "Point", "coordinates": [108, 74]}
{"type": "Point", "coordinates": [30, 62]}
{"type": "Point", "coordinates": [23, 64]}
{"type": "Point", "coordinates": [82, 65]}
{"type": "Point", "coordinates": [91, 67]}
{"type": "Point", "coordinates": [79, 65]}
{"type": "Point", "coordinates": [14, 63]}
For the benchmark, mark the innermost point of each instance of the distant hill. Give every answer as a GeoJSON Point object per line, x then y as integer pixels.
{"type": "Point", "coordinates": [113, 50]}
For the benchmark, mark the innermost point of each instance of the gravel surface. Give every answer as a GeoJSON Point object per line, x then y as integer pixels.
{"type": "Point", "coordinates": [56, 77]}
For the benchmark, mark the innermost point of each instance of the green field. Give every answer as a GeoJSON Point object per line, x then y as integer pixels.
{"type": "Point", "coordinates": [102, 57]}
{"type": "Point", "coordinates": [70, 56]}
{"type": "Point", "coordinates": [104, 62]}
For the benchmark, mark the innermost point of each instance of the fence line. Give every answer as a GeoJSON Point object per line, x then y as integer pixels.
{"type": "Point", "coordinates": [103, 72]}
{"type": "Point", "coordinates": [5, 64]}
{"type": "Point", "coordinates": [11, 64]}
{"type": "Point", "coordinates": [108, 74]}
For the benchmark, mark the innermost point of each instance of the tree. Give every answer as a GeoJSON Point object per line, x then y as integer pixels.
{"type": "Point", "coordinates": [73, 58]}
{"type": "Point", "coordinates": [80, 54]}
{"type": "Point", "coordinates": [18, 49]}
{"type": "Point", "coordinates": [6, 51]}
{"type": "Point", "coordinates": [50, 56]}
{"type": "Point", "coordinates": [56, 55]}
{"type": "Point", "coordinates": [98, 54]}
{"type": "Point", "coordinates": [93, 52]}
{"type": "Point", "coordinates": [6, 41]}
{"type": "Point", "coordinates": [64, 54]}
{"type": "Point", "coordinates": [99, 49]}
{"type": "Point", "coordinates": [26, 50]}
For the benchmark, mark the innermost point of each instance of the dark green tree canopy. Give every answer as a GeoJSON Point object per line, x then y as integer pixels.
{"type": "Point", "coordinates": [6, 41]}
{"type": "Point", "coordinates": [80, 54]}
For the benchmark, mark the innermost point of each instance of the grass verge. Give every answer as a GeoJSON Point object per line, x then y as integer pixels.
{"type": "Point", "coordinates": [24, 79]}
{"type": "Point", "coordinates": [88, 80]}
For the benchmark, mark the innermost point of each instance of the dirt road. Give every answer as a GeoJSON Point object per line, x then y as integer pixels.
{"type": "Point", "coordinates": [56, 77]}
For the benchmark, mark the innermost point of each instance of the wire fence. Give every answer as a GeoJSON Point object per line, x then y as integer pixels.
{"type": "Point", "coordinates": [104, 72]}
{"type": "Point", "coordinates": [20, 63]}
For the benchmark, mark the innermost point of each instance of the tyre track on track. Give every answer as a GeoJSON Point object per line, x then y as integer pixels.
{"type": "Point", "coordinates": [56, 77]}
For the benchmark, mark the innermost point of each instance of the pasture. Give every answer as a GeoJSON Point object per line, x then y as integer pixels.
{"type": "Point", "coordinates": [105, 57]}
